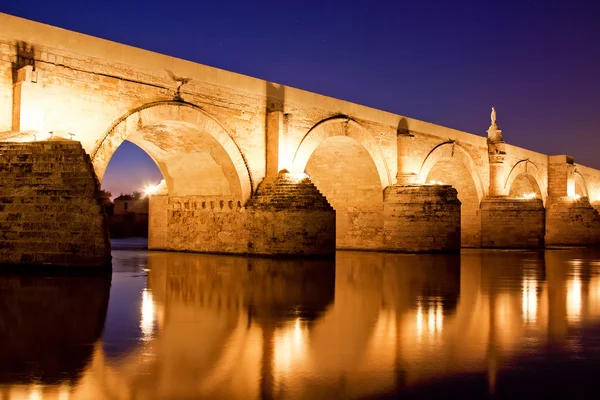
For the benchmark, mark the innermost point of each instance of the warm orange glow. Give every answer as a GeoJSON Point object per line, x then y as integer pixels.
{"type": "Point", "coordinates": [64, 392]}
{"type": "Point", "coordinates": [574, 298]}
{"type": "Point", "coordinates": [571, 188]}
{"type": "Point", "coordinates": [36, 393]}
{"type": "Point", "coordinates": [147, 311]}
{"type": "Point", "coordinates": [297, 177]}
{"type": "Point", "coordinates": [431, 324]}
{"type": "Point", "coordinates": [529, 300]}
{"type": "Point", "coordinates": [529, 195]}
{"type": "Point", "coordinates": [290, 346]}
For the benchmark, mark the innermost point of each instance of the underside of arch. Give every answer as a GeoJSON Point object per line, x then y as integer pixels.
{"type": "Point", "coordinates": [192, 149]}
{"type": "Point", "coordinates": [341, 126]}
{"type": "Point", "coordinates": [525, 178]}
{"type": "Point", "coordinates": [452, 151]}
{"type": "Point", "coordinates": [343, 170]}
{"type": "Point", "coordinates": [525, 186]}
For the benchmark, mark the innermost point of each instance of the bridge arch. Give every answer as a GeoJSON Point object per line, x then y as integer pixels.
{"type": "Point", "coordinates": [347, 166]}
{"type": "Point", "coordinates": [449, 163]}
{"type": "Point", "coordinates": [179, 137]}
{"type": "Point", "coordinates": [454, 151]}
{"type": "Point", "coordinates": [341, 126]}
{"type": "Point", "coordinates": [525, 177]}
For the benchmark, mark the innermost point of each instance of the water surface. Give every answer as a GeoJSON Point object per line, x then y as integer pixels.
{"type": "Point", "coordinates": [500, 324]}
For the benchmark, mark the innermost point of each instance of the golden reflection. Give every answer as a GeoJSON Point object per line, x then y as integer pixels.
{"type": "Point", "coordinates": [574, 296]}
{"type": "Point", "coordinates": [290, 346]}
{"type": "Point", "coordinates": [529, 300]}
{"type": "Point", "coordinates": [63, 392]}
{"type": "Point", "coordinates": [35, 393]}
{"type": "Point", "coordinates": [429, 325]}
{"type": "Point", "coordinates": [232, 327]}
{"type": "Point", "coordinates": [147, 319]}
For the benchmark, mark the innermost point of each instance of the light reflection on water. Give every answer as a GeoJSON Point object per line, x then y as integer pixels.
{"type": "Point", "coordinates": [366, 325]}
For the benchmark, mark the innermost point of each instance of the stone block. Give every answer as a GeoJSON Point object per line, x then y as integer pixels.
{"type": "Point", "coordinates": [421, 218]}
{"type": "Point", "coordinates": [50, 215]}
{"type": "Point", "coordinates": [512, 223]}
{"type": "Point", "coordinates": [571, 222]}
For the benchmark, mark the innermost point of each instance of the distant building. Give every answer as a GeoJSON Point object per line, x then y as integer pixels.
{"type": "Point", "coordinates": [130, 217]}
{"type": "Point", "coordinates": [126, 203]}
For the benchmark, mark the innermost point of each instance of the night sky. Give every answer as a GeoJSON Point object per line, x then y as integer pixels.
{"type": "Point", "coordinates": [445, 62]}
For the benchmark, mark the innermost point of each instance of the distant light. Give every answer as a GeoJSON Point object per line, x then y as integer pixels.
{"type": "Point", "coordinates": [150, 190]}
{"type": "Point", "coordinates": [576, 196]}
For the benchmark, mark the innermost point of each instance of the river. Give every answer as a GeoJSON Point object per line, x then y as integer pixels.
{"type": "Point", "coordinates": [479, 324]}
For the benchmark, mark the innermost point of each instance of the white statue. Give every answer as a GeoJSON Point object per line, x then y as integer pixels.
{"type": "Point", "coordinates": [493, 116]}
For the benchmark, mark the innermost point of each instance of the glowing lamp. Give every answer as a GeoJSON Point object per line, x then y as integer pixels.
{"type": "Point", "coordinates": [529, 196]}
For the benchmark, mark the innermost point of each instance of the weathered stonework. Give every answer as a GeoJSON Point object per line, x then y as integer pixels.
{"type": "Point", "coordinates": [49, 210]}
{"type": "Point", "coordinates": [421, 218]}
{"type": "Point", "coordinates": [512, 223]}
{"type": "Point", "coordinates": [218, 136]}
{"type": "Point", "coordinates": [571, 222]}
{"type": "Point", "coordinates": [287, 216]}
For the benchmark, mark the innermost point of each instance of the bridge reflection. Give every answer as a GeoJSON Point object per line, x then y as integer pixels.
{"type": "Point", "coordinates": [363, 325]}
{"type": "Point", "coordinates": [48, 327]}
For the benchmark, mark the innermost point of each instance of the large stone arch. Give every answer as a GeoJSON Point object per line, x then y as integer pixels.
{"type": "Point", "coordinates": [526, 169]}
{"type": "Point", "coordinates": [341, 126]}
{"type": "Point", "coordinates": [452, 150]}
{"type": "Point", "coordinates": [188, 120]}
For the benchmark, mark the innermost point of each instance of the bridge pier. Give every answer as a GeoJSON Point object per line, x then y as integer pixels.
{"type": "Point", "coordinates": [287, 216]}
{"type": "Point", "coordinates": [50, 214]}
{"type": "Point", "coordinates": [417, 217]}
{"type": "Point", "coordinates": [570, 218]}
{"type": "Point", "coordinates": [512, 223]}
{"type": "Point", "coordinates": [571, 222]}
{"type": "Point", "coordinates": [421, 218]}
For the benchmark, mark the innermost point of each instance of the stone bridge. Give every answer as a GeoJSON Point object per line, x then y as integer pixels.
{"type": "Point", "coordinates": [234, 151]}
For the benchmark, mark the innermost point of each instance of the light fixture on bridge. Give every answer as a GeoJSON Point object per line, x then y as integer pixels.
{"type": "Point", "coordinates": [434, 182]}
{"type": "Point", "coordinates": [529, 196]}
{"type": "Point", "coordinates": [297, 177]}
{"type": "Point", "coordinates": [151, 189]}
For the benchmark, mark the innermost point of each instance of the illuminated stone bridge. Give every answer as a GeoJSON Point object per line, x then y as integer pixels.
{"type": "Point", "coordinates": [225, 141]}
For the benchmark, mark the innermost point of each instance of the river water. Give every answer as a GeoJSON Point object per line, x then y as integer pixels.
{"type": "Point", "coordinates": [483, 323]}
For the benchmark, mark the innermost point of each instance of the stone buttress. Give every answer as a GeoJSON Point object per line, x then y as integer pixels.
{"type": "Point", "coordinates": [290, 216]}
{"type": "Point", "coordinates": [421, 218]}
{"type": "Point", "coordinates": [50, 213]}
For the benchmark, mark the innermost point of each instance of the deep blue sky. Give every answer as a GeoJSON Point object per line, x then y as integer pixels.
{"type": "Point", "coordinates": [445, 62]}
